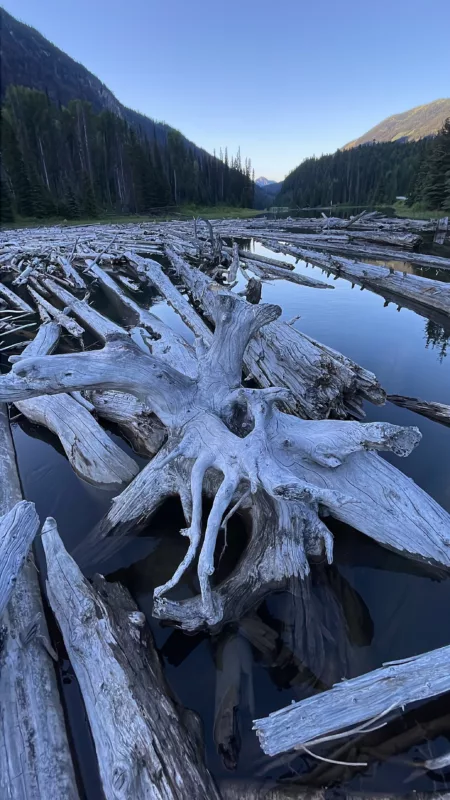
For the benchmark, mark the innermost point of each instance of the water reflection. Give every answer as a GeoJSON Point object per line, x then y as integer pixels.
{"type": "Point", "coordinates": [437, 337]}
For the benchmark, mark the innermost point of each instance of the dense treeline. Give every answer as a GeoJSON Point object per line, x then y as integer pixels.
{"type": "Point", "coordinates": [432, 187]}
{"type": "Point", "coordinates": [72, 162]}
{"type": "Point", "coordinates": [364, 175]}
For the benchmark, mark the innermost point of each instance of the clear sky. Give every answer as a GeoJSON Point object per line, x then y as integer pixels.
{"type": "Point", "coordinates": [284, 80]}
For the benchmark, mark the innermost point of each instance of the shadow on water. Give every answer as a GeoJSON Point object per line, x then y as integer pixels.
{"type": "Point", "coordinates": [370, 606]}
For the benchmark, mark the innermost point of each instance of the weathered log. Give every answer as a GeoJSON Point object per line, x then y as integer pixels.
{"type": "Point", "coordinates": [355, 250]}
{"type": "Point", "coordinates": [143, 430]}
{"type": "Point", "coordinates": [234, 266]}
{"type": "Point", "coordinates": [344, 708]}
{"type": "Point", "coordinates": [17, 530]}
{"type": "Point", "coordinates": [92, 319]}
{"type": "Point", "coordinates": [48, 312]}
{"type": "Point", "coordinates": [89, 449]}
{"type": "Point", "coordinates": [266, 271]}
{"type": "Point", "coordinates": [71, 274]}
{"type": "Point", "coordinates": [441, 231]}
{"type": "Point", "coordinates": [323, 382]}
{"type": "Point", "coordinates": [14, 300]}
{"type": "Point", "coordinates": [35, 760]}
{"type": "Point", "coordinates": [438, 412]}
{"type": "Point", "coordinates": [428, 294]}
{"type": "Point", "coordinates": [143, 749]}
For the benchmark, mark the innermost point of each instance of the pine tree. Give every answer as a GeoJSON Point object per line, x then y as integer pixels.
{"type": "Point", "coordinates": [89, 204]}
{"type": "Point", "coordinates": [71, 204]}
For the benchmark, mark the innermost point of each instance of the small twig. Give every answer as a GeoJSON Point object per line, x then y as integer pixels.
{"type": "Point", "coordinates": [331, 761]}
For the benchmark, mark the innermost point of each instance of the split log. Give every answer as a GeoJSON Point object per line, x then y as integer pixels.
{"type": "Point", "coordinates": [423, 292]}
{"type": "Point", "coordinates": [13, 299]}
{"type": "Point", "coordinates": [35, 760]}
{"type": "Point", "coordinates": [435, 411]}
{"type": "Point", "coordinates": [344, 708]}
{"type": "Point", "coordinates": [91, 452]}
{"type": "Point", "coordinates": [144, 751]}
{"type": "Point", "coordinates": [17, 530]}
{"type": "Point", "coordinates": [323, 382]}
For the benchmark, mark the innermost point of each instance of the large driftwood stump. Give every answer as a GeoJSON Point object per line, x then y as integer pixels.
{"type": "Point", "coordinates": [287, 473]}
{"type": "Point", "coordinates": [144, 749]}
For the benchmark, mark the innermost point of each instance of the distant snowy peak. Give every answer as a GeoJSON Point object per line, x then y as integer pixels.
{"type": "Point", "coordinates": [263, 182]}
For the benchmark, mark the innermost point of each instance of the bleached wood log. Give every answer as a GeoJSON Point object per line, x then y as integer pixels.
{"type": "Point", "coordinates": [13, 299]}
{"type": "Point", "coordinates": [150, 271]}
{"type": "Point", "coordinates": [436, 411]}
{"type": "Point", "coordinates": [267, 271]}
{"type": "Point", "coordinates": [272, 262]}
{"type": "Point", "coordinates": [44, 343]}
{"type": "Point", "coordinates": [91, 452]}
{"type": "Point", "coordinates": [441, 231]}
{"type": "Point", "coordinates": [35, 760]}
{"type": "Point", "coordinates": [164, 340]}
{"type": "Point", "coordinates": [350, 703]}
{"type": "Point", "coordinates": [143, 749]}
{"type": "Point", "coordinates": [48, 312]}
{"type": "Point", "coordinates": [234, 266]}
{"type": "Point", "coordinates": [71, 274]}
{"type": "Point", "coordinates": [356, 251]}
{"type": "Point", "coordinates": [322, 381]}
{"type": "Point", "coordinates": [143, 430]}
{"type": "Point", "coordinates": [92, 319]}
{"type": "Point", "coordinates": [428, 294]}
{"type": "Point", "coordinates": [17, 530]}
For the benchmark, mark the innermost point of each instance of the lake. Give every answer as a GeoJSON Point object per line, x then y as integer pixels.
{"type": "Point", "coordinates": [390, 608]}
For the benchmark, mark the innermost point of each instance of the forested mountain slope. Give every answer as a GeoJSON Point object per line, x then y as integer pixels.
{"type": "Point", "coordinates": [412, 125]}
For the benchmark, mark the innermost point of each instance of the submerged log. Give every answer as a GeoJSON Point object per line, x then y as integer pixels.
{"type": "Point", "coordinates": [17, 530]}
{"type": "Point", "coordinates": [344, 708]}
{"type": "Point", "coordinates": [144, 750]}
{"type": "Point", "coordinates": [435, 411]}
{"type": "Point", "coordinates": [35, 760]}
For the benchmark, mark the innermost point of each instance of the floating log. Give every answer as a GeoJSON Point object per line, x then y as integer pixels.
{"type": "Point", "coordinates": [343, 709]}
{"type": "Point", "coordinates": [14, 300]}
{"type": "Point", "coordinates": [17, 530]}
{"type": "Point", "coordinates": [436, 411]}
{"type": "Point", "coordinates": [266, 271]}
{"type": "Point", "coordinates": [323, 382]}
{"type": "Point", "coordinates": [428, 294]}
{"type": "Point", "coordinates": [144, 750]}
{"type": "Point", "coordinates": [91, 452]}
{"type": "Point", "coordinates": [48, 312]}
{"type": "Point", "coordinates": [35, 760]}
{"type": "Point", "coordinates": [71, 274]}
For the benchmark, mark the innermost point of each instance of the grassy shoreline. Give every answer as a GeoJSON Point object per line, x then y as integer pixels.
{"type": "Point", "coordinates": [182, 212]}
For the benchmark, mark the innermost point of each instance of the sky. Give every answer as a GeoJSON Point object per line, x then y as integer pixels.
{"type": "Point", "coordinates": [281, 80]}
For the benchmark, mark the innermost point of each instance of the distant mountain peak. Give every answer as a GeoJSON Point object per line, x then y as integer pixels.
{"type": "Point", "coordinates": [417, 123]}
{"type": "Point", "coordinates": [263, 182]}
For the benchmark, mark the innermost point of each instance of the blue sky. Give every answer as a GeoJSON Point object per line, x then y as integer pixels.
{"type": "Point", "coordinates": [282, 80]}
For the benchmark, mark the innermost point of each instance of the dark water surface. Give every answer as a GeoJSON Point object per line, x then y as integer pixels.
{"type": "Point", "coordinates": [391, 608]}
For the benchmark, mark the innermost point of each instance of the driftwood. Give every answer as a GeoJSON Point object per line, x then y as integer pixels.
{"type": "Point", "coordinates": [253, 291]}
{"type": "Point", "coordinates": [233, 669]}
{"type": "Point", "coordinates": [91, 452]}
{"type": "Point", "coordinates": [35, 760]}
{"type": "Point", "coordinates": [48, 312]}
{"type": "Point", "coordinates": [144, 750]}
{"type": "Point", "coordinates": [290, 472]}
{"type": "Point", "coordinates": [344, 709]}
{"type": "Point", "coordinates": [323, 382]}
{"type": "Point", "coordinates": [17, 530]}
{"type": "Point", "coordinates": [14, 300]}
{"type": "Point", "coordinates": [436, 411]}
{"type": "Point", "coordinates": [423, 292]}
{"type": "Point", "coordinates": [441, 231]}
{"type": "Point", "coordinates": [140, 427]}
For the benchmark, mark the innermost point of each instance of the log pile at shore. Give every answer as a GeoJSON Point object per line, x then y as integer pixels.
{"type": "Point", "coordinates": [245, 410]}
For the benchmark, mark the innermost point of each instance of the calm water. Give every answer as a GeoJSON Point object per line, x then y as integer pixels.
{"type": "Point", "coordinates": [389, 607]}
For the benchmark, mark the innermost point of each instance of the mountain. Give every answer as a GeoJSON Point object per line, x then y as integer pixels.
{"type": "Point", "coordinates": [263, 182]}
{"type": "Point", "coordinates": [417, 123]}
{"type": "Point", "coordinates": [29, 59]}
